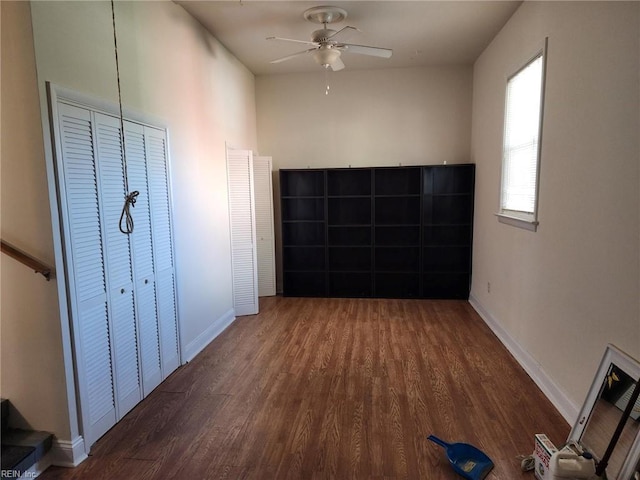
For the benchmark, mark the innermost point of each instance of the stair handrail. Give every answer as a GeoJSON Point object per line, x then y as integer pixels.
{"type": "Point", "coordinates": [26, 259]}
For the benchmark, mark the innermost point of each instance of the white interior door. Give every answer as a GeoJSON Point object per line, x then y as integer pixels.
{"type": "Point", "coordinates": [117, 256]}
{"type": "Point", "coordinates": [160, 202]}
{"type": "Point", "coordinates": [265, 243]}
{"type": "Point", "coordinates": [74, 132]}
{"type": "Point", "coordinates": [121, 288]}
{"type": "Point", "coordinates": [243, 231]}
{"type": "Point", "coordinates": [143, 261]}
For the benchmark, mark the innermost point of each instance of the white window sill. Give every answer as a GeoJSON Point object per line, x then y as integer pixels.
{"type": "Point", "coordinates": [514, 221]}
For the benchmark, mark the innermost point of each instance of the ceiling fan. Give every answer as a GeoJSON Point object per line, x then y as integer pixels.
{"type": "Point", "coordinates": [327, 49]}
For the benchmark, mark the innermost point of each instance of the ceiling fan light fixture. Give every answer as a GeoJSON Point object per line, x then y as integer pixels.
{"type": "Point", "coordinates": [325, 56]}
{"type": "Point", "coordinates": [327, 49]}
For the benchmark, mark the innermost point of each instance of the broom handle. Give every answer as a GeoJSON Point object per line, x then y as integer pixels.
{"type": "Point", "coordinates": [602, 465]}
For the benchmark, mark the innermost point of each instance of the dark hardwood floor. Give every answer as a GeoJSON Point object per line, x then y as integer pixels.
{"type": "Point", "coordinates": [332, 388]}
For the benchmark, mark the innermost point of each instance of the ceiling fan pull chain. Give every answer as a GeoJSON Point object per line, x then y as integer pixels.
{"type": "Point", "coordinates": [326, 80]}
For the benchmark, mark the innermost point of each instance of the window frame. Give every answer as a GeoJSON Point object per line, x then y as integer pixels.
{"type": "Point", "coordinates": [511, 217]}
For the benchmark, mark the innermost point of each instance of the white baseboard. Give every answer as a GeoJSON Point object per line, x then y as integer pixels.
{"type": "Point", "coordinates": [533, 368]}
{"type": "Point", "coordinates": [206, 337]}
{"type": "Point", "coordinates": [68, 453]}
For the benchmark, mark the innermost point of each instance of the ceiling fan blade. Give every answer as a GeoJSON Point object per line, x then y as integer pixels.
{"type": "Point", "coordinates": [288, 57]}
{"type": "Point", "coordinates": [364, 50]}
{"type": "Point", "coordinates": [292, 40]}
{"type": "Point", "coordinates": [337, 65]}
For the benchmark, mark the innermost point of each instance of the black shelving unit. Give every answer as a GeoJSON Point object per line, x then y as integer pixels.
{"type": "Point", "coordinates": [302, 206]}
{"type": "Point", "coordinates": [349, 232]}
{"type": "Point", "coordinates": [401, 232]}
{"type": "Point", "coordinates": [397, 205]}
{"type": "Point", "coordinates": [447, 205]}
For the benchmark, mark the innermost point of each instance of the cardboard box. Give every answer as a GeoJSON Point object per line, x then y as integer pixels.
{"type": "Point", "coordinates": [544, 448]}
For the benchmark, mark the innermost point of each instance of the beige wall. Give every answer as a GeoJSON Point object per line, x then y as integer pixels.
{"type": "Point", "coordinates": [370, 118]}
{"type": "Point", "coordinates": [171, 70]}
{"type": "Point", "coordinates": [412, 116]}
{"type": "Point", "coordinates": [567, 290]}
{"type": "Point", "coordinates": [31, 343]}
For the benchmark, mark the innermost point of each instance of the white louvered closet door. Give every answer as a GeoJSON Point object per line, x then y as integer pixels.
{"type": "Point", "coordinates": [121, 288]}
{"type": "Point", "coordinates": [263, 196]}
{"type": "Point", "coordinates": [143, 261]}
{"type": "Point", "coordinates": [86, 273]}
{"type": "Point", "coordinates": [243, 233]}
{"type": "Point", "coordinates": [111, 187]}
{"type": "Point", "coordinates": [160, 202]}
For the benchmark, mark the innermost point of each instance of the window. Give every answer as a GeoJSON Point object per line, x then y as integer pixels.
{"type": "Point", "coordinates": [521, 144]}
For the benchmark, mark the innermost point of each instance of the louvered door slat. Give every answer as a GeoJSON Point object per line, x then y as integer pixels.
{"type": "Point", "coordinates": [142, 248]}
{"type": "Point", "coordinates": [160, 207]}
{"type": "Point", "coordinates": [83, 243]}
{"type": "Point", "coordinates": [242, 220]}
{"type": "Point", "coordinates": [118, 262]}
{"type": "Point", "coordinates": [99, 380]}
{"type": "Point", "coordinates": [126, 351]}
{"type": "Point", "coordinates": [149, 334]}
{"type": "Point", "coordinates": [167, 313]}
{"type": "Point", "coordinates": [159, 192]}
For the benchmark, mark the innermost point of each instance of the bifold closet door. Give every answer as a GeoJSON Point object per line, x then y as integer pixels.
{"type": "Point", "coordinates": [142, 250]}
{"type": "Point", "coordinates": [100, 271]}
{"type": "Point", "coordinates": [156, 150]}
{"type": "Point", "coordinates": [85, 257]}
{"type": "Point", "coordinates": [117, 257]}
{"type": "Point", "coordinates": [121, 287]}
{"type": "Point", "coordinates": [265, 243]}
{"type": "Point", "coordinates": [243, 233]}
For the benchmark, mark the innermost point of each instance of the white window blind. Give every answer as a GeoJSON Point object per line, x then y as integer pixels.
{"type": "Point", "coordinates": [520, 162]}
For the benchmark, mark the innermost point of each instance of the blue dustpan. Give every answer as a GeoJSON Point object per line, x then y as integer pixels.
{"type": "Point", "coordinates": [467, 461]}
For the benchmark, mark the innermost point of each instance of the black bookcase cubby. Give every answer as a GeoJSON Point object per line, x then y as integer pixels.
{"type": "Point", "coordinates": [400, 232]}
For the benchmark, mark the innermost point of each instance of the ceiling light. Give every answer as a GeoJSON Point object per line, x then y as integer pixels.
{"type": "Point", "coordinates": [325, 56]}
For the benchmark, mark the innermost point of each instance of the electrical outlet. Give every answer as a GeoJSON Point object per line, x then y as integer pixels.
{"type": "Point", "coordinates": [488, 287]}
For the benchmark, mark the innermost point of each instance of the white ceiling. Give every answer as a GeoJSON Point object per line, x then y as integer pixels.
{"type": "Point", "coordinates": [421, 33]}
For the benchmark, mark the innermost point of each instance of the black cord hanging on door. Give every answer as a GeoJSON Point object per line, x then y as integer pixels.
{"type": "Point", "coordinates": [130, 197]}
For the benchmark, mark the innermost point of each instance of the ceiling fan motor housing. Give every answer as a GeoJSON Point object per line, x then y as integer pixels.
{"type": "Point", "coordinates": [322, 35]}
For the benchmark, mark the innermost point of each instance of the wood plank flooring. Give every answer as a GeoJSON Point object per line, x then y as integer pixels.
{"type": "Point", "coordinates": [332, 389]}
